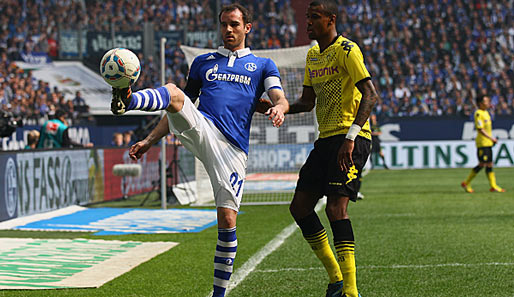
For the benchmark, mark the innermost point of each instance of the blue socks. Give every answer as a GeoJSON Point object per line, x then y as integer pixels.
{"type": "Point", "coordinates": [224, 260]}
{"type": "Point", "coordinates": [150, 99]}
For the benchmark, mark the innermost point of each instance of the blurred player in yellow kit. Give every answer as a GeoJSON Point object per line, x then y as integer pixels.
{"type": "Point", "coordinates": [484, 142]}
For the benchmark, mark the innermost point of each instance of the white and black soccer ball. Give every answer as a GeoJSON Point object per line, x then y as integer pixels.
{"type": "Point", "coordinates": [120, 68]}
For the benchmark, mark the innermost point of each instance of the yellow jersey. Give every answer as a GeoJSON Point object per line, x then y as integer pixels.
{"type": "Point", "coordinates": [483, 121]}
{"type": "Point", "coordinates": [333, 74]}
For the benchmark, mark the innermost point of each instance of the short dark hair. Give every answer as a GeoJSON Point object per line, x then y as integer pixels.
{"type": "Point", "coordinates": [247, 16]}
{"type": "Point", "coordinates": [329, 6]}
{"type": "Point", "coordinates": [60, 113]}
{"type": "Point", "coordinates": [480, 99]}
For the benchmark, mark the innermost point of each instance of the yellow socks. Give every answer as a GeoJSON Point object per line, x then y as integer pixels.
{"type": "Point", "coordinates": [491, 177]}
{"type": "Point", "coordinates": [316, 236]}
{"type": "Point", "coordinates": [345, 250]}
{"type": "Point", "coordinates": [492, 180]}
{"type": "Point", "coordinates": [471, 176]}
{"type": "Point", "coordinates": [321, 247]}
{"type": "Point", "coordinates": [467, 183]}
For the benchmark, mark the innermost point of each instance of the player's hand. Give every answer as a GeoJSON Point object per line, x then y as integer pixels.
{"type": "Point", "coordinates": [138, 149]}
{"type": "Point", "coordinates": [495, 140]}
{"type": "Point", "coordinates": [263, 105]}
{"type": "Point", "coordinates": [344, 156]}
{"type": "Point", "coordinates": [276, 115]}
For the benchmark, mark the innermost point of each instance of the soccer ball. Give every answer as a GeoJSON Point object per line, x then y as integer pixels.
{"type": "Point", "coordinates": [120, 68]}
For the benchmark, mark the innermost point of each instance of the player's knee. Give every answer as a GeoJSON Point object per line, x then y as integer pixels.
{"type": "Point", "coordinates": [336, 209]}
{"type": "Point", "coordinates": [299, 210]}
{"type": "Point", "coordinates": [226, 217]}
{"type": "Point", "coordinates": [176, 97]}
{"type": "Point", "coordinates": [293, 209]}
{"type": "Point", "coordinates": [477, 168]}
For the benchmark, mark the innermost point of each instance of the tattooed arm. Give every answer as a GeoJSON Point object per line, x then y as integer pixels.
{"type": "Point", "coordinates": [368, 100]}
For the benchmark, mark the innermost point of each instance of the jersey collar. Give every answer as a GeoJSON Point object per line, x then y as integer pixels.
{"type": "Point", "coordinates": [333, 41]}
{"type": "Point", "coordinates": [239, 53]}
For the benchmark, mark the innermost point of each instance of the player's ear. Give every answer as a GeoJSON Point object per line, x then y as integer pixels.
{"type": "Point", "coordinates": [331, 20]}
{"type": "Point", "coordinates": [248, 28]}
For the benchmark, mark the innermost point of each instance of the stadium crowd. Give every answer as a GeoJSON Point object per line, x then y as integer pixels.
{"type": "Point", "coordinates": [33, 100]}
{"type": "Point", "coordinates": [429, 57]}
{"type": "Point", "coordinates": [433, 57]}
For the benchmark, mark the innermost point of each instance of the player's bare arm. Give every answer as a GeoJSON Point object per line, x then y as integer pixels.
{"type": "Point", "coordinates": [138, 149]}
{"type": "Point", "coordinates": [368, 100]}
{"type": "Point", "coordinates": [306, 102]}
{"type": "Point", "coordinates": [279, 108]}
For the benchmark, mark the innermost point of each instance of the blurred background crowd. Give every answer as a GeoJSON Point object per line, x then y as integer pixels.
{"type": "Point", "coordinates": [427, 57]}
{"type": "Point", "coordinates": [435, 57]}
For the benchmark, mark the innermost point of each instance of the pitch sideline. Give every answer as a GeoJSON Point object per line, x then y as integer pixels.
{"type": "Point", "coordinates": [393, 267]}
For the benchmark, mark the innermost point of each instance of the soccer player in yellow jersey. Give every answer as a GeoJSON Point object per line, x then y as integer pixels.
{"type": "Point", "coordinates": [484, 142]}
{"type": "Point", "coordinates": [338, 83]}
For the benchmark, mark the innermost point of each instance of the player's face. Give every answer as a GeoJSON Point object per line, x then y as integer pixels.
{"type": "Point", "coordinates": [318, 22]}
{"type": "Point", "coordinates": [486, 103]}
{"type": "Point", "coordinates": [233, 29]}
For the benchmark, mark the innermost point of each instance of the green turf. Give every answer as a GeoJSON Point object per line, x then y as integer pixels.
{"type": "Point", "coordinates": [417, 234]}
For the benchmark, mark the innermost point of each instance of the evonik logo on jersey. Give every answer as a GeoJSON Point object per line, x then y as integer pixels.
{"type": "Point", "coordinates": [323, 71]}
{"type": "Point", "coordinates": [212, 75]}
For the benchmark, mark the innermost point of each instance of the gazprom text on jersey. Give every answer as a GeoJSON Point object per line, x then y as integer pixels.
{"type": "Point", "coordinates": [228, 77]}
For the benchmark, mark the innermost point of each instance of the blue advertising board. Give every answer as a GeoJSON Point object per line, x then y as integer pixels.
{"type": "Point", "coordinates": [440, 128]}
{"type": "Point", "coordinates": [8, 187]}
{"type": "Point", "coordinates": [99, 136]}
{"type": "Point", "coordinates": [35, 58]}
{"type": "Point", "coordinates": [277, 157]}
{"type": "Point", "coordinates": [393, 129]}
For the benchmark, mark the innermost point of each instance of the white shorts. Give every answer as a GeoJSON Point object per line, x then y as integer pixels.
{"type": "Point", "coordinates": [224, 162]}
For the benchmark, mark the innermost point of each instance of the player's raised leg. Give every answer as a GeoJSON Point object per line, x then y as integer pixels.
{"type": "Point", "coordinates": [166, 97]}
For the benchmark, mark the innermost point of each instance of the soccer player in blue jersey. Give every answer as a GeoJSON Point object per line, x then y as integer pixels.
{"type": "Point", "coordinates": [228, 84]}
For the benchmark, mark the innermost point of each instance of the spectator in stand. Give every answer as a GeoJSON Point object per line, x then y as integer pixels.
{"type": "Point", "coordinates": [3, 98]}
{"type": "Point", "coordinates": [117, 139]}
{"type": "Point", "coordinates": [127, 138]}
{"type": "Point", "coordinates": [32, 139]}
{"type": "Point", "coordinates": [79, 104]}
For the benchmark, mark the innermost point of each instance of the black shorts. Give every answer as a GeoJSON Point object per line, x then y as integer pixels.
{"type": "Point", "coordinates": [321, 174]}
{"type": "Point", "coordinates": [485, 154]}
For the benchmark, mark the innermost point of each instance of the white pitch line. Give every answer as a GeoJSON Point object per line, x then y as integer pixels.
{"type": "Point", "coordinates": [392, 266]}
{"type": "Point", "coordinates": [249, 266]}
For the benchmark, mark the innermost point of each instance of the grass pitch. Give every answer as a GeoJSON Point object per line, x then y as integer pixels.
{"type": "Point", "coordinates": [417, 234]}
